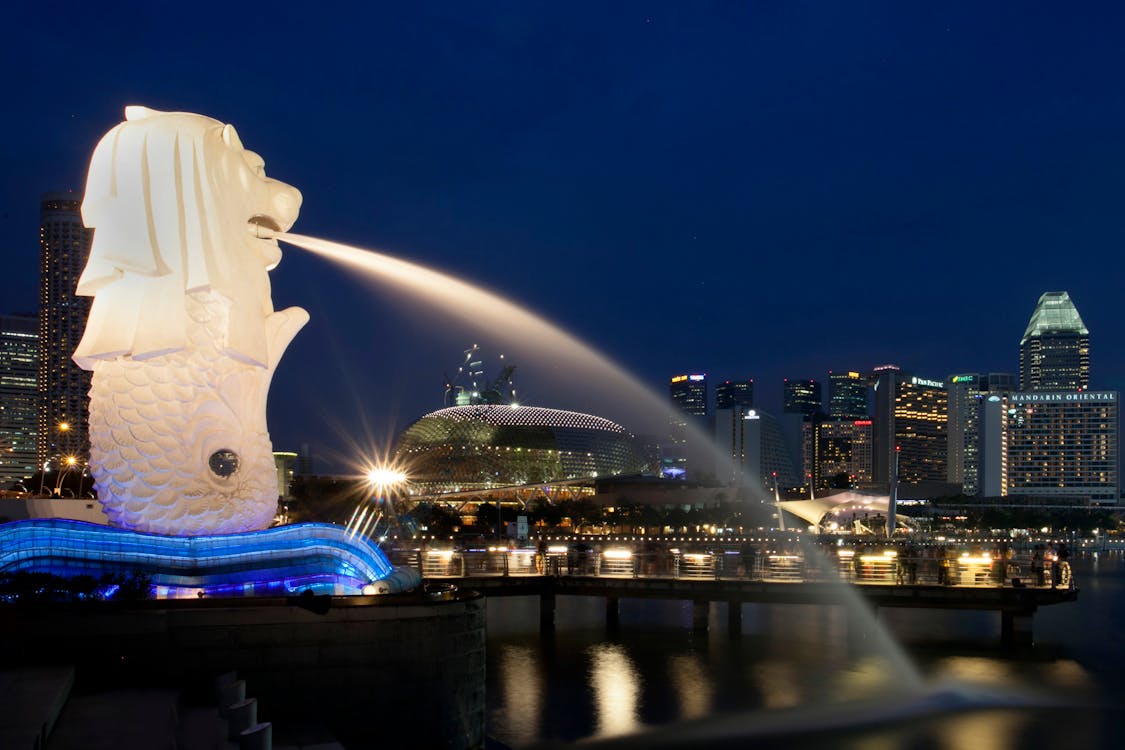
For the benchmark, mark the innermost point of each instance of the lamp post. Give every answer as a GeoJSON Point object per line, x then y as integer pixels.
{"type": "Point", "coordinates": [62, 427]}
{"type": "Point", "coordinates": [777, 504]}
{"type": "Point", "coordinates": [892, 501]}
{"type": "Point", "coordinates": [43, 475]}
{"type": "Point", "coordinates": [383, 481]}
{"type": "Point", "coordinates": [69, 463]}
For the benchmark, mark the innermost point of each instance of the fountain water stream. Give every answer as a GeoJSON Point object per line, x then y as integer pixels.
{"type": "Point", "coordinates": [474, 305]}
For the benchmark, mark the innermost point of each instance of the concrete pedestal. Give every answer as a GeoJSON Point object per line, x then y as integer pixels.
{"type": "Point", "coordinates": [416, 664]}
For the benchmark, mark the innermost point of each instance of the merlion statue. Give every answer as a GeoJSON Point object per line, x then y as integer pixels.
{"type": "Point", "coordinates": [182, 337]}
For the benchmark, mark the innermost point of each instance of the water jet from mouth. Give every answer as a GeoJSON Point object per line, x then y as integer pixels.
{"type": "Point", "coordinates": [478, 307]}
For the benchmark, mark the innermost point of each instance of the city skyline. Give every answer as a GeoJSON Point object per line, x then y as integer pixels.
{"type": "Point", "coordinates": [648, 178]}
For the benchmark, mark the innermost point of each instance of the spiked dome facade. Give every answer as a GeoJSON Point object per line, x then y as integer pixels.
{"type": "Point", "coordinates": [477, 447]}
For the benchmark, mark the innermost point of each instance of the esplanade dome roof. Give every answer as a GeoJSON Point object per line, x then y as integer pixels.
{"type": "Point", "coordinates": [523, 416]}
{"type": "Point", "coordinates": [474, 447]}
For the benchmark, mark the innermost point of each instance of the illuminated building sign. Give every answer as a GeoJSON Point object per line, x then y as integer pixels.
{"type": "Point", "coordinates": [853, 375]}
{"type": "Point", "coordinates": [1028, 398]}
{"type": "Point", "coordinates": [862, 423]}
{"type": "Point", "coordinates": [930, 383]}
{"type": "Point", "coordinates": [697, 378]}
{"type": "Point", "coordinates": [679, 378]}
{"type": "Point", "coordinates": [962, 378]}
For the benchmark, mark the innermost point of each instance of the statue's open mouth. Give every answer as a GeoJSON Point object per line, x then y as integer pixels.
{"type": "Point", "coordinates": [263, 227]}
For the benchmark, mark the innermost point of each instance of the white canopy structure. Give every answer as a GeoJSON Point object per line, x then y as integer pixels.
{"type": "Point", "coordinates": [843, 508]}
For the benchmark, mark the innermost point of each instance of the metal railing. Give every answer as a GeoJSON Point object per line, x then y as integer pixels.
{"type": "Point", "coordinates": [934, 566]}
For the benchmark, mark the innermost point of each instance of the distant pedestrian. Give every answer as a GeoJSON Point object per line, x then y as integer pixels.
{"type": "Point", "coordinates": [541, 557]}
{"type": "Point", "coordinates": [1062, 565]}
{"type": "Point", "coordinates": [1037, 565]}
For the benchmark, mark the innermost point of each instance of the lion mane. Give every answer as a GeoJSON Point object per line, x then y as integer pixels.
{"type": "Point", "coordinates": [170, 195]}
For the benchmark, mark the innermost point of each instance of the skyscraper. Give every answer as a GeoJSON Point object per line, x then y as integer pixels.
{"type": "Point", "coordinates": [689, 394]}
{"type": "Point", "coordinates": [1063, 444]}
{"type": "Point", "coordinates": [765, 456]}
{"type": "Point", "coordinates": [64, 245]}
{"type": "Point", "coordinates": [835, 447]}
{"type": "Point", "coordinates": [910, 415]}
{"type": "Point", "coordinates": [1055, 348]}
{"type": "Point", "coordinates": [967, 394]}
{"type": "Point", "coordinates": [19, 396]}
{"type": "Point", "coordinates": [802, 397]}
{"type": "Point", "coordinates": [731, 393]}
{"type": "Point", "coordinates": [847, 395]}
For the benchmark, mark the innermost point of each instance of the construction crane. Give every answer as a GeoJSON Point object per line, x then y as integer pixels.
{"type": "Point", "coordinates": [469, 387]}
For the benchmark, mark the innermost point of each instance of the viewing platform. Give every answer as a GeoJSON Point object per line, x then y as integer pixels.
{"type": "Point", "coordinates": [936, 577]}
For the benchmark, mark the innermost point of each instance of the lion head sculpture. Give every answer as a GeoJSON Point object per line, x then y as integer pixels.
{"type": "Point", "coordinates": [171, 196]}
{"type": "Point", "coordinates": [182, 336]}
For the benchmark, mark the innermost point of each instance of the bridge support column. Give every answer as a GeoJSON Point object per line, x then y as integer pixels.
{"type": "Point", "coordinates": [734, 618]}
{"type": "Point", "coordinates": [612, 613]}
{"type": "Point", "coordinates": [547, 611]}
{"type": "Point", "coordinates": [700, 609]}
{"type": "Point", "coordinates": [1016, 628]}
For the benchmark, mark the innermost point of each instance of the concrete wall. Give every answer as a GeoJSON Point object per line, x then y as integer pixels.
{"type": "Point", "coordinates": [76, 509]}
{"type": "Point", "coordinates": [377, 671]}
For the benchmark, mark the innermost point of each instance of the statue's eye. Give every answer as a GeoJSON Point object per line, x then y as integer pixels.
{"type": "Point", "coordinates": [223, 462]}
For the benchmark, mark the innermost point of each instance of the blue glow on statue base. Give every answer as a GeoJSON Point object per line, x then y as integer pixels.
{"type": "Point", "coordinates": [279, 561]}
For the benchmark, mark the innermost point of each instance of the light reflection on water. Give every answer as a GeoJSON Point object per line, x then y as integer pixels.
{"type": "Point", "coordinates": [777, 682]}
{"type": "Point", "coordinates": [617, 688]}
{"type": "Point", "coordinates": [688, 675]}
{"type": "Point", "coordinates": [987, 730]}
{"type": "Point", "coordinates": [653, 673]}
{"type": "Point", "coordinates": [863, 678]}
{"type": "Point", "coordinates": [522, 686]}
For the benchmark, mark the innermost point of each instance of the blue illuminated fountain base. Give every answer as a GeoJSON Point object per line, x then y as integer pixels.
{"type": "Point", "coordinates": [283, 560]}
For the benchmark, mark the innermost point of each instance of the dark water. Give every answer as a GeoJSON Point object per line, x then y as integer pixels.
{"type": "Point", "coordinates": [810, 676]}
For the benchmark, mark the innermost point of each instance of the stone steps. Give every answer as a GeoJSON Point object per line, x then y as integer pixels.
{"type": "Point", "coordinates": [33, 699]}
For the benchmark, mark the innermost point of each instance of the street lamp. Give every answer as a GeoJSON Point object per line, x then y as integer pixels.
{"type": "Point", "coordinates": [892, 501]}
{"type": "Point", "coordinates": [382, 480]}
{"type": "Point", "coordinates": [69, 463]}
{"type": "Point", "coordinates": [63, 427]}
{"type": "Point", "coordinates": [43, 475]}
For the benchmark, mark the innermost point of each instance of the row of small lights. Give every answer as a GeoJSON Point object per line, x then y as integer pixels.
{"type": "Point", "coordinates": [607, 538]}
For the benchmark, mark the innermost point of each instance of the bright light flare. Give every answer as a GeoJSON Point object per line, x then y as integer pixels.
{"type": "Point", "coordinates": [385, 476]}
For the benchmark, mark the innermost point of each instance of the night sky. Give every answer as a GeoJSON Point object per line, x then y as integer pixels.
{"type": "Point", "coordinates": [743, 189]}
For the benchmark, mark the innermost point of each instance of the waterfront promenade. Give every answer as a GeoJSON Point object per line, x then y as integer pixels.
{"type": "Point", "coordinates": [1011, 580]}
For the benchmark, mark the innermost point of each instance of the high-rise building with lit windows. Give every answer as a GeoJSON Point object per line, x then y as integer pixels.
{"type": "Point", "coordinates": [732, 393]}
{"type": "Point", "coordinates": [1063, 444]}
{"type": "Point", "coordinates": [1055, 348]}
{"type": "Point", "coordinates": [689, 393]}
{"type": "Point", "coordinates": [753, 451]}
{"type": "Point", "coordinates": [19, 396]}
{"type": "Point", "coordinates": [64, 246]}
{"type": "Point", "coordinates": [967, 395]}
{"type": "Point", "coordinates": [847, 395]}
{"type": "Point", "coordinates": [838, 449]}
{"type": "Point", "coordinates": [802, 397]}
{"type": "Point", "coordinates": [911, 416]}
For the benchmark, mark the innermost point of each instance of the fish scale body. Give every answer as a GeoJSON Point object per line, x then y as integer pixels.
{"type": "Point", "coordinates": [156, 422]}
